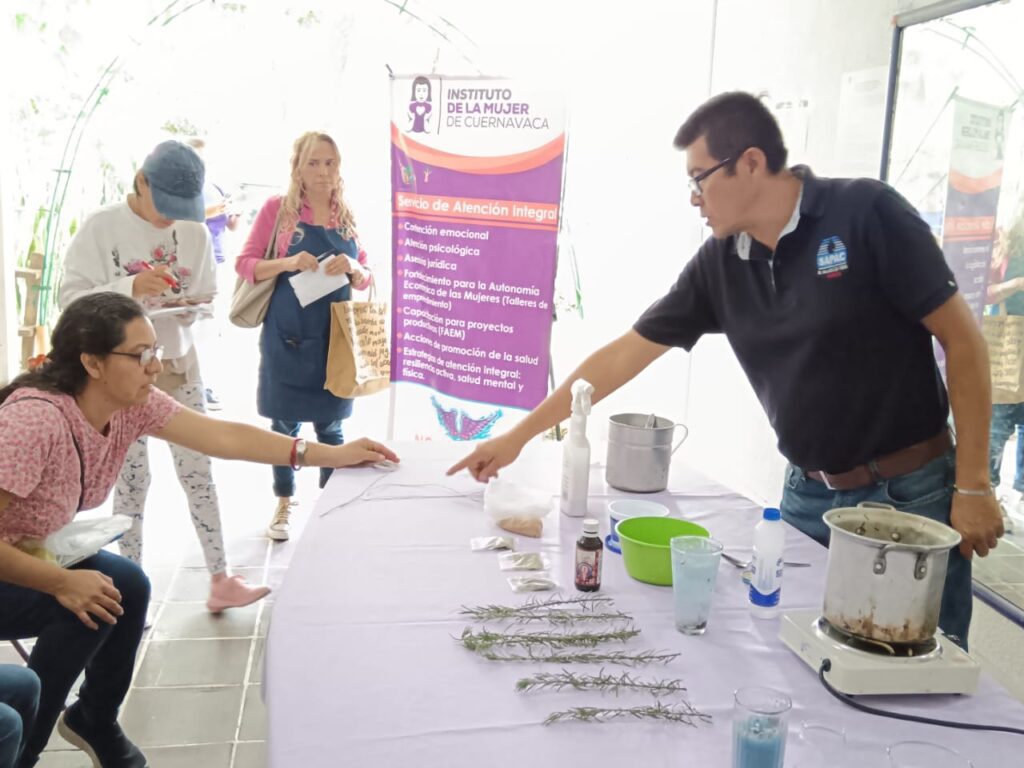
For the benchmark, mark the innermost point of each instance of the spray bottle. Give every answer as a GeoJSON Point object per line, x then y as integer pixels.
{"type": "Point", "coordinates": [576, 453]}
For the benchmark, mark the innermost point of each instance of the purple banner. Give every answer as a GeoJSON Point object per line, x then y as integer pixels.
{"type": "Point", "coordinates": [474, 238]}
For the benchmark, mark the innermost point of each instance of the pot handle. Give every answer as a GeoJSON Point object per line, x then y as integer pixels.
{"type": "Point", "coordinates": [920, 565]}
{"type": "Point", "coordinates": [686, 434]}
{"type": "Point", "coordinates": [877, 505]}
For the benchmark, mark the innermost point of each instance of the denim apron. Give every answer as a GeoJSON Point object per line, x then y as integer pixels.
{"type": "Point", "coordinates": [294, 340]}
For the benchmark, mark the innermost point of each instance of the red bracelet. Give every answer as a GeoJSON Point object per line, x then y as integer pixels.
{"type": "Point", "coordinates": [292, 457]}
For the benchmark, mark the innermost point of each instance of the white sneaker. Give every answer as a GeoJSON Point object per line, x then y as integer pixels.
{"type": "Point", "coordinates": [280, 525]}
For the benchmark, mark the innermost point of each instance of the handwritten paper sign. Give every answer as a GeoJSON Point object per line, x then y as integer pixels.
{"type": "Point", "coordinates": [371, 346]}
{"type": "Point", "coordinates": [359, 357]}
{"type": "Point", "coordinates": [1005, 337]}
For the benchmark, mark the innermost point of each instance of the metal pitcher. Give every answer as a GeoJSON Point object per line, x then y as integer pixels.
{"type": "Point", "coordinates": [640, 451]}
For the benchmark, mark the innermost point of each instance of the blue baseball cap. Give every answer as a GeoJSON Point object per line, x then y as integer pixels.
{"type": "Point", "coordinates": [175, 174]}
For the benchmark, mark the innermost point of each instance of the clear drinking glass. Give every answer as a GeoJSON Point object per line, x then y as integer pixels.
{"type": "Point", "coordinates": [821, 745]}
{"type": "Point", "coordinates": [759, 725]}
{"type": "Point", "coordinates": [924, 754]}
{"type": "Point", "coordinates": [695, 562]}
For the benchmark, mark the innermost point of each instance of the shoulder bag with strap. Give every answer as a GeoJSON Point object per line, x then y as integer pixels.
{"type": "Point", "coordinates": [250, 301]}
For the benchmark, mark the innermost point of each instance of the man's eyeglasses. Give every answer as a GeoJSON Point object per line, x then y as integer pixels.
{"type": "Point", "coordinates": [146, 356]}
{"type": "Point", "coordinates": [694, 181]}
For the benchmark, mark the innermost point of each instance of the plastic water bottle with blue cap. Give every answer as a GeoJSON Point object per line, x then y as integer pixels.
{"type": "Point", "coordinates": [766, 564]}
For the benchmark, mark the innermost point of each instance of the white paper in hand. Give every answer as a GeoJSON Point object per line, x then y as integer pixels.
{"type": "Point", "coordinates": [310, 286]}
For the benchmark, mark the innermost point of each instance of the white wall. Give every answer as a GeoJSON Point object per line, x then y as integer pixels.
{"type": "Point", "coordinates": [625, 201]}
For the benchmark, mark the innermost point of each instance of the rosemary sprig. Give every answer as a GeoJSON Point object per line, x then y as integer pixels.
{"type": "Point", "coordinates": [602, 681]}
{"type": "Point", "coordinates": [585, 603]}
{"type": "Point", "coordinates": [625, 658]}
{"type": "Point", "coordinates": [567, 617]}
{"type": "Point", "coordinates": [683, 712]}
{"type": "Point", "coordinates": [555, 610]}
{"type": "Point", "coordinates": [484, 639]}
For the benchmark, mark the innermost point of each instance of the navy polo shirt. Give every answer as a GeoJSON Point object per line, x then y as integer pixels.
{"type": "Point", "coordinates": [828, 328]}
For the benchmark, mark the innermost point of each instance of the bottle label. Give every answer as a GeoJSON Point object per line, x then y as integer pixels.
{"type": "Point", "coordinates": [764, 601]}
{"type": "Point", "coordinates": [588, 568]}
{"type": "Point", "coordinates": [765, 582]}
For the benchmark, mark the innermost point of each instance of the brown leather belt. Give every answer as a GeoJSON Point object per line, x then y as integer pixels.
{"type": "Point", "coordinates": [894, 464]}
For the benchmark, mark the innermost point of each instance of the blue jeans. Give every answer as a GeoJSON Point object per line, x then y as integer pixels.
{"type": "Point", "coordinates": [19, 699]}
{"type": "Point", "coordinates": [327, 432]}
{"type": "Point", "coordinates": [927, 491]}
{"type": "Point", "coordinates": [65, 646]}
{"type": "Point", "coordinates": [1006, 418]}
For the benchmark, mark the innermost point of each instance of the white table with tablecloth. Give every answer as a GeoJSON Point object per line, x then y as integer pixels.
{"type": "Point", "coordinates": [363, 667]}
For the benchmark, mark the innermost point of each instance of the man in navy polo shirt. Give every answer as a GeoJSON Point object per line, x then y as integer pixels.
{"type": "Point", "coordinates": [829, 292]}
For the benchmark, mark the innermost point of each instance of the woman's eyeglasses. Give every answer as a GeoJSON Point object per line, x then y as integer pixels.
{"type": "Point", "coordinates": [146, 356]}
{"type": "Point", "coordinates": [694, 181]}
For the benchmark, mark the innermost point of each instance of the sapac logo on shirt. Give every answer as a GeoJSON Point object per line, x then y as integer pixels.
{"type": "Point", "coordinates": [832, 261]}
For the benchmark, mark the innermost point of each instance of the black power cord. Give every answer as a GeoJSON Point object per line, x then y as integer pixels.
{"type": "Point", "coordinates": [826, 665]}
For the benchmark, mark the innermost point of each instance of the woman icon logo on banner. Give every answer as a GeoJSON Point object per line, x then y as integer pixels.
{"type": "Point", "coordinates": [420, 107]}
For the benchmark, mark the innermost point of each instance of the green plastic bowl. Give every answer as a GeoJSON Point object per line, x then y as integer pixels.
{"type": "Point", "coordinates": [645, 551]}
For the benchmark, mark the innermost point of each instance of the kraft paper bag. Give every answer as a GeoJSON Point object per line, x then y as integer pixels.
{"type": "Point", "coordinates": [359, 355]}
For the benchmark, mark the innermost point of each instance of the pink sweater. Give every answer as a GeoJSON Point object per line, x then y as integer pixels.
{"type": "Point", "coordinates": [259, 237]}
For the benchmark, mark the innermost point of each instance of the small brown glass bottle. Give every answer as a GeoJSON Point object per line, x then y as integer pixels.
{"type": "Point", "coordinates": [589, 554]}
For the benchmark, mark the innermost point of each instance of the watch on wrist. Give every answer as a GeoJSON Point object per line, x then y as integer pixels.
{"type": "Point", "coordinates": [300, 453]}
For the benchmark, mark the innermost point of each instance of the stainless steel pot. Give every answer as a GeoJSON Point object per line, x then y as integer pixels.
{"type": "Point", "coordinates": [640, 451]}
{"type": "Point", "coordinates": [886, 571]}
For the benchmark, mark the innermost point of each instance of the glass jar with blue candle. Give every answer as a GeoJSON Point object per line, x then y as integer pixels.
{"type": "Point", "coordinates": [759, 726]}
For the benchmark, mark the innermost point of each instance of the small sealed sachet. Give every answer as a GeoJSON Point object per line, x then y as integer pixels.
{"type": "Point", "coordinates": [535, 582]}
{"type": "Point", "coordinates": [481, 543]}
{"type": "Point", "coordinates": [522, 561]}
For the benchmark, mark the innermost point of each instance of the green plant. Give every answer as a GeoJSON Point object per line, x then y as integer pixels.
{"type": "Point", "coordinates": [625, 658]}
{"type": "Point", "coordinates": [552, 610]}
{"type": "Point", "coordinates": [603, 681]}
{"type": "Point", "coordinates": [181, 126]}
{"type": "Point", "coordinates": [484, 640]}
{"type": "Point", "coordinates": [682, 712]}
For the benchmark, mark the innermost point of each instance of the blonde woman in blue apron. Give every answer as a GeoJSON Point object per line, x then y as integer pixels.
{"type": "Point", "coordinates": [313, 222]}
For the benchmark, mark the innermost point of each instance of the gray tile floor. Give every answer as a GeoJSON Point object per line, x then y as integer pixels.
{"type": "Point", "coordinates": [195, 699]}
